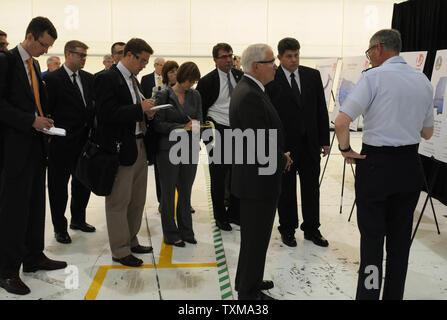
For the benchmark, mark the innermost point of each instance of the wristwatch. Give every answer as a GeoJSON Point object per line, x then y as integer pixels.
{"type": "Point", "coordinates": [344, 150]}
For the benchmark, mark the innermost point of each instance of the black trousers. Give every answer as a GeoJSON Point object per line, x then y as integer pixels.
{"type": "Point", "coordinates": [219, 173]}
{"type": "Point", "coordinates": [308, 169]}
{"type": "Point", "coordinates": [257, 218]}
{"type": "Point", "coordinates": [62, 165]}
{"type": "Point", "coordinates": [388, 184]}
{"type": "Point", "coordinates": [22, 213]}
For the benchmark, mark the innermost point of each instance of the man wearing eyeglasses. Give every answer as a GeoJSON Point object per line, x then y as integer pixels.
{"type": "Point", "coordinates": [123, 121]}
{"type": "Point", "coordinates": [117, 51]}
{"type": "Point", "coordinates": [3, 41]}
{"type": "Point", "coordinates": [251, 109]}
{"type": "Point", "coordinates": [215, 89]}
{"type": "Point", "coordinates": [70, 103]}
{"type": "Point", "coordinates": [298, 95]}
{"type": "Point", "coordinates": [397, 105]}
{"type": "Point", "coordinates": [154, 79]}
{"type": "Point", "coordinates": [24, 115]}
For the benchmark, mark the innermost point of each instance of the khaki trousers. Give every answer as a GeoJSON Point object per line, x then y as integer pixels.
{"type": "Point", "coordinates": [125, 205]}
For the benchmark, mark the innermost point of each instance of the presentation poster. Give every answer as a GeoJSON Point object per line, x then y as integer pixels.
{"type": "Point", "coordinates": [437, 145]}
{"type": "Point", "coordinates": [415, 59]}
{"type": "Point", "coordinates": [327, 70]}
{"type": "Point", "coordinates": [351, 72]}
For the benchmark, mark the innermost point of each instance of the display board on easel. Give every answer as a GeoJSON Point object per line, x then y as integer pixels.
{"type": "Point", "coordinates": [415, 59]}
{"type": "Point", "coordinates": [327, 70]}
{"type": "Point", "coordinates": [351, 72]}
{"type": "Point", "coordinates": [437, 146]}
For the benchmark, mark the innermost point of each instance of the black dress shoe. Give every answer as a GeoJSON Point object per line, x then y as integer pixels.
{"type": "Point", "coordinates": [45, 264]}
{"type": "Point", "coordinates": [129, 261]}
{"type": "Point", "coordinates": [14, 285]}
{"type": "Point", "coordinates": [235, 221]}
{"type": "Point", "coordinates": [317, 238]}
{"type": "Point", "coordinates": [223, 225]}
{"type": "Point", "coordinates": [62, 237]}
{"type": "Point", "coordinates": [141, 249]}
{"type": "Point", "coordinates": [263, 296]}
{"type": "Point", "coordinates": [192, 241]}
{"type": "Point", "coordinates": [180, 243]}
{"type": "Point", "coordinates": [192, 210]}
{"type": "Point", "coordinates": [266, 285]}
{"type": "Point", "coordinates": [288, 240]}
{"type": "Point", "coordinates": [85, 227]}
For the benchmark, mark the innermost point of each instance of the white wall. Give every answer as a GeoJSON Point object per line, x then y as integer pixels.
{"type": "Point", "coordinates": [186, 30]}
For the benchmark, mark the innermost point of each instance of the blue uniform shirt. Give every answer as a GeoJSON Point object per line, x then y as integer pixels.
{"type": "Point", "coordinates": [396, 102]}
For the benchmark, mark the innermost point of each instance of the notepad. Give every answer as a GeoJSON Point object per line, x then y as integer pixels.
{"type": "Point", "coordinates": [53, 131]}
{"type": "Point", "coordinates": [162, 106]}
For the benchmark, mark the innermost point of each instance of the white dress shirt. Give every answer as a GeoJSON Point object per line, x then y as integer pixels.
{"type": "Point", "coordinates": [297, 76]}
{"type": "Point", "coordinates": [126, 74]}
{"type": "Point", "coordinates": [25, 56]}
{"type": "Point", "coordinates": [220, 110]}
{"type": "Point", "coordinates": [78, 80]}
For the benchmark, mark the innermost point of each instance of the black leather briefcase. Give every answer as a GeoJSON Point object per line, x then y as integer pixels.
{"type": "Point", "coordinates": [97, 169]}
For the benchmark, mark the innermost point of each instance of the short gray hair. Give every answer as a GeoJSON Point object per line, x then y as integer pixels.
{"type": "Point", "coordinates": [158, 59]}
{"type": "Point", "coordinates": [389, 38]}
{"type": "Point", "coordinates": [107, 56]}
{"type": "Point", "coordinates": [253, 53]}
{"type": "Point", "coordinates": [52, 59]}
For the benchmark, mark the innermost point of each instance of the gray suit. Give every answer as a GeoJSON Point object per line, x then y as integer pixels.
{"type": "Point", "coordinates": [172, 176]}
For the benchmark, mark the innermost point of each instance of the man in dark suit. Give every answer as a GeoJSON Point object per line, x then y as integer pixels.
{"type": "Point", "coordinates": [298, 95]}
{"type": "Point", "coordinates": [258, 191]}
{"type": "Point", "coordinates": [70, 104]}
{"type": "Point", "coordinates": [22, 185]}
{"type": "Point", "coordinates": [215, 89]}
{"type": "Point", "coordinates": [122, 127]}
{"type": "Point", "coordinates": [149, 81]}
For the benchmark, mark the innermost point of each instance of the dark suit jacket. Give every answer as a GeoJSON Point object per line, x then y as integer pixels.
{"type": "Point", "coordinates": [147, 84]}
{"type": "Point", "coordinates": [118, 116]}
{"type": "Point", "coordinates": [176, 117]}
{"type": "Point", "coordinates": [209, 88]}
{"type": "Point", "coordinates": [17, 109]}
{"type": "Point", "coordinates": [250, 108]}
{"type": "Point", "coordinates": [66, 107]}
{"type": "Point", "coordinates": [310, 110]}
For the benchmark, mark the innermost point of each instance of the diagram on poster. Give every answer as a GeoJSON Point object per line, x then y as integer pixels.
{"type": "Point", "coordinates": [351, 72]}
{"type": "Point", "coordinates": [327, 70]}
{"type": "Point", "coordinates": [415, 59]}
{"type": "Point", "coordinates": [437, 145]}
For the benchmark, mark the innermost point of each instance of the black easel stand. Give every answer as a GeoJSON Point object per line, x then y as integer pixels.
{"type": "Point", "coordinates": [328, 155]}
{"type": "Point", "coordinates": [429, 190]}
{"type": "Point", "coordinates": [330, 148]}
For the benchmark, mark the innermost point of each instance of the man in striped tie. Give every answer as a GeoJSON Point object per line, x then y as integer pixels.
{"type": "Point", "coordinates": [22, 184]}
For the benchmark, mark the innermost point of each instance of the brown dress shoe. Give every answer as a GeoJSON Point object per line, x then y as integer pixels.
{"type": "Point", "coordinates": [14, 285]}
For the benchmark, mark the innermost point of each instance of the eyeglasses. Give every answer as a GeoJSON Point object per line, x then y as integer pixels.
{"type": "Point", "coordinates": [143, 61]}
{"type": "Point", "coordinates": [226, 56]}
{"type": "Point", "coordinates": [119, 52]}
{"type": "Point", "coordinates": [369, 49]}
{"type": "Point", "coordinates": [46, 46]}
{"type": "Point", "coordinates": [271, 62]}
{"type": "Point", "coordinates": [80, 54]}
{"type": "Point", "coordinates": [159, 64]}
{"type": "Point", "coordinates": [4, 44]}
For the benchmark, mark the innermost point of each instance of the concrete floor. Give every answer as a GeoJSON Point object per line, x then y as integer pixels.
{"type": "Point", "coordinates": [206, 271]}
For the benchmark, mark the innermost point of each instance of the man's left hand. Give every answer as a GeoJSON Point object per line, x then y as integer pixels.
{"type": "Point", "coordinates": [325, 150]}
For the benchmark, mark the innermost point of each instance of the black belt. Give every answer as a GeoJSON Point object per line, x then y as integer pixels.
{"type": "Point", "coordinates": [389, 149]}
{"type": "Point", "coordinates": [139, 136]}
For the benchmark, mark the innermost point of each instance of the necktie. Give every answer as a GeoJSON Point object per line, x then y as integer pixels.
{"type": "Point", "coordinates": [159, 83]}
{"type": "Point", "coordinates": [137, 94]}
{"type": "Point", "coordinates": [295, 88]}
{"type": "Point", "coordinates": [34, 85]}
{"type": "Point", "coordinates": [75, 83]}
{"type": "Point", "coordinates": [230, 86]}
